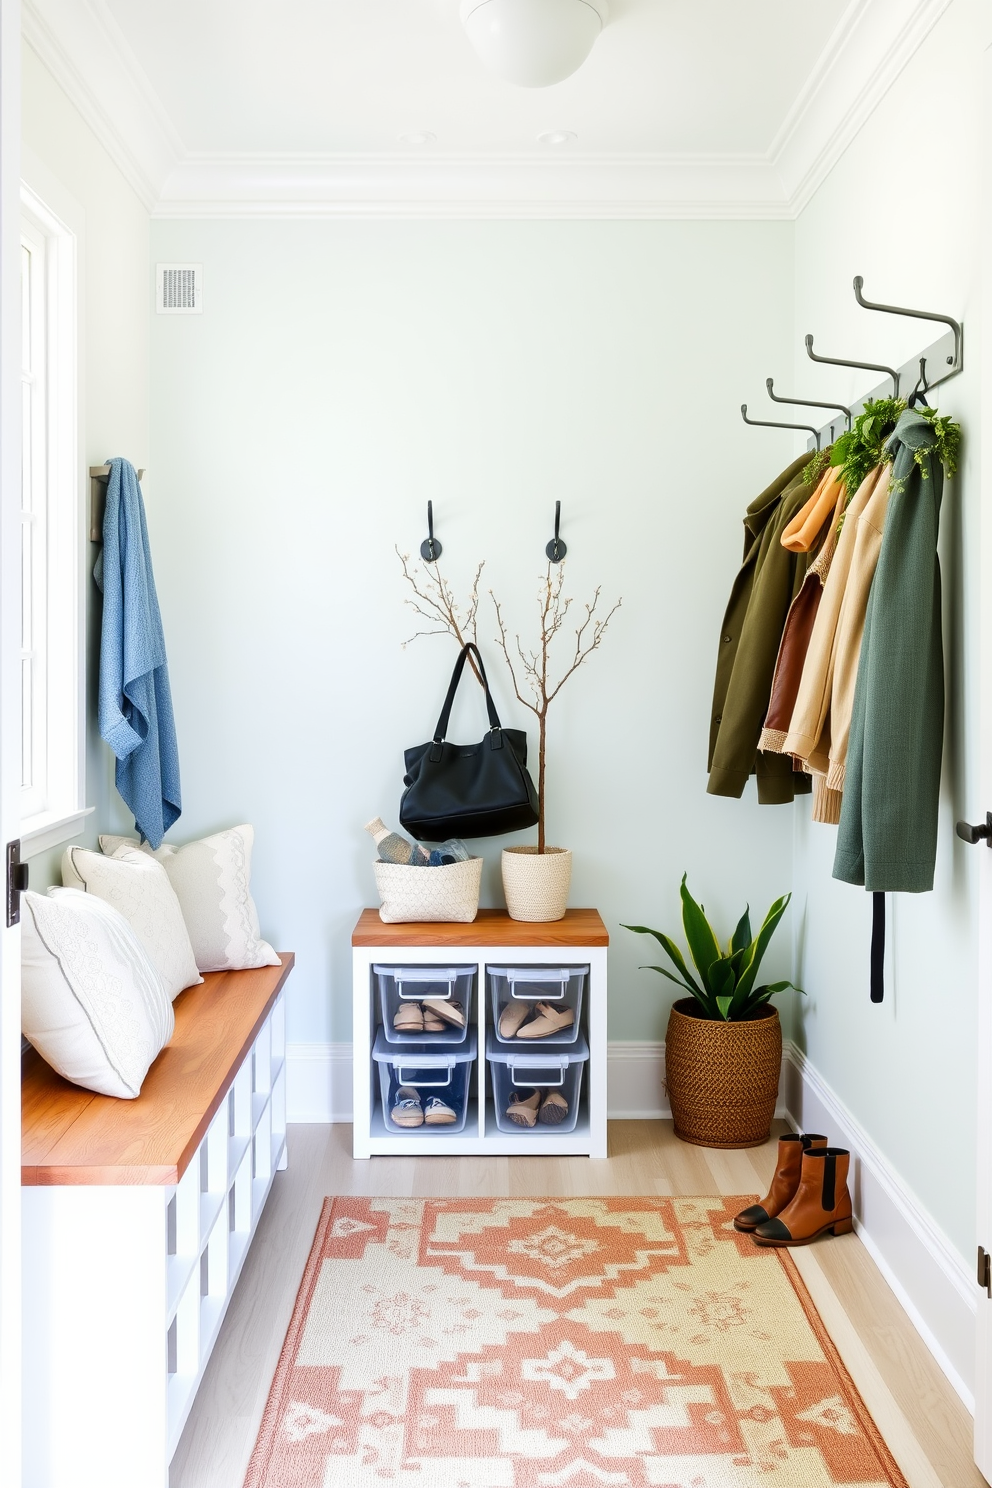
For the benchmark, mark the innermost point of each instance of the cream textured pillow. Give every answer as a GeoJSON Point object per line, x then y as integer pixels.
{"type": "Point", "coordinates": [212, 880]}
{"type": "Point", "coordinates": [92, 1004]}
{"type": "Point", "coordinates": [139, 888]}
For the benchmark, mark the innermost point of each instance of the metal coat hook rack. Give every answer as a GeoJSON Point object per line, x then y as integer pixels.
{"type": "Point", "coordinates": [860, 366]}
{"type": "Point", "coordinates": [772, 424]}
{"type": "Point", "coordinates": [430, 548]}
{"type": "Point", "coordinates": [556, 549]}
{"type": "Point", "coordinates": [804, 402]}
{"type": "Point", "coordinates": [945, 358]}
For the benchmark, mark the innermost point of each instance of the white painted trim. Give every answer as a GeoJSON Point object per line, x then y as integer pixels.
{"type": "Point", "coordinates": [926, 1272]}
{"type": "Point", "coordinates": [50, 829]}
{"type": "Point", "coordinates": [871, 44]}
{"type": "Point", "coordinates": [86, 51]}
{"type": "Point", "coordinates": [318, 1083]}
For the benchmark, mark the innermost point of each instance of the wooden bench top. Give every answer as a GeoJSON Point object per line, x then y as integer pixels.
{"type": "Point", "coordinates": [71, 1135]}
{"type": "Point", "coordinates": [491, 927]}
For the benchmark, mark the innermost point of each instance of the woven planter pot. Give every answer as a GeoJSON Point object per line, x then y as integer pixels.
{"type": "Point", "coordinates": [536, 884]}
{"type": "Point", "coordinates": [722, 1077]}
{"type": "Point", "coordinates": [449, 893]}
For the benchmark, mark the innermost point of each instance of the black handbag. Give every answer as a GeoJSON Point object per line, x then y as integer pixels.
{"type": "Point", "coordinates": [468, 790]}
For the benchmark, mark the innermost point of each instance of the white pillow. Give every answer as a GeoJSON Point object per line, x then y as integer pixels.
{"type": "Point", "coordinates": [92, 1004]}
{"type": "Point", "coordinates": [212, 880]}
{"type": "Point", "coordinates": [138, 888]}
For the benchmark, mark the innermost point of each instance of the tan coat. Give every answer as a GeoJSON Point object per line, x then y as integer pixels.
{"type": "Point", "coordinates": [809, 732]}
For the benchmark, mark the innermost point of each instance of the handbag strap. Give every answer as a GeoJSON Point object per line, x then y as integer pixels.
{"type": "Point", "coordinates": [440, 733]}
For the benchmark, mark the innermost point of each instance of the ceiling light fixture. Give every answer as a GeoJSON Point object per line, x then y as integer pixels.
{"type": "Point", "coordinates": [556, 137]}
{"type": "Point", "coordinates": [417, 137]}
{"type": "Point", "coordinates": [533, 42]}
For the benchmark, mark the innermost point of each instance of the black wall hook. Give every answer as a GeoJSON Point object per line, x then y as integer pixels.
{"type": "Point", "coordinates": [770, 424]}
{"type": "Point", "coordinates": [556, 549]}
{"type": "Point", "coordinates": [430, 548]}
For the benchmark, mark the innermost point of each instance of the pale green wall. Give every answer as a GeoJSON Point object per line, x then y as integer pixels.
{"type": "Point", "coordinates": [342, 374]}
{"type": "Point", "coordinates": [902, 208]}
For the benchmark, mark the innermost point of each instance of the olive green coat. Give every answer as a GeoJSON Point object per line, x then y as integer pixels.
{"type": "Point", "coordinates": [888, 823]}
{"type": "Point", "coordinates": [769, 579]}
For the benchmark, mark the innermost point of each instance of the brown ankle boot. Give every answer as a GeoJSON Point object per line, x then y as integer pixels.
{"type": "Point", "coordinates": [784, 1184]}
{"type": "Point", "coordinates": [822, 1201]}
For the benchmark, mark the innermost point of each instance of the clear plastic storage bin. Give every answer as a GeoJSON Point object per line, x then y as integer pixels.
{"type": "Point", "coordinates": [444, 1073]}
{"type": "Point", "coordinates": [521, 987]}
{"type": "Point", "coordinates": [519, 1071]}
{"type": "Point", "coordinates": [402, 988]}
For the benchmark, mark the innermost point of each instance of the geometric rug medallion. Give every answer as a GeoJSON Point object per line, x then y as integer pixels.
{"type": "Point", "coordinates": [558, 1343]}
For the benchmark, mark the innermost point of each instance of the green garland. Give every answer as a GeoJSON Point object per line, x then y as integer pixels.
{"type": "Point", "coordinates": [946, 443]}
{"type": "Point", "coordinates": [862, 447]}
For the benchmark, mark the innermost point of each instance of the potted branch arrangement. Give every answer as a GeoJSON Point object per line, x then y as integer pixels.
{"type": "Point", "coordinates": [536, 878]}
{"type": "Point", "coordinates": [723, 1046]}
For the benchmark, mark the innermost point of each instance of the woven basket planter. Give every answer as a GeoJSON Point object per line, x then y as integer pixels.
{"type": "Point", "coordinates": [722, 1077]}
{"type": "Point", "coordinates": [449, 893]}
{"type": "Point", "coordinates": [536, 884]}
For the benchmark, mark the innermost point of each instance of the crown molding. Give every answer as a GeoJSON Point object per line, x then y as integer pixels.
{"type": "Point", "coordinates": [870, 46]}
{"type": "Point", "coordinates": [601, 187]}
{"type": "Point", "coordinates": [82, 46]}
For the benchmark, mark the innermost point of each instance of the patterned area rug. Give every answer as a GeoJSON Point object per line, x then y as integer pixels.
{"type": "Point", "coordinates": [532, 1343]}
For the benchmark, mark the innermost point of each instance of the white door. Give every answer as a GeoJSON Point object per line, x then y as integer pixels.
{"type": "Point", "coordinates": [10, 734]}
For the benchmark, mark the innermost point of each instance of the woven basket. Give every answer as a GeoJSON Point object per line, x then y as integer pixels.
{"type": "Point", "coordinates": [450, 892]}
{"type": "Point", "coordinates": [722, 1077]}
{"type": "Point", "coordinates": [536, 884]}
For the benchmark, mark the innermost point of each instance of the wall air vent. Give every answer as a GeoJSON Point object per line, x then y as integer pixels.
{"type": "Point", "coordinates": [179, 289]}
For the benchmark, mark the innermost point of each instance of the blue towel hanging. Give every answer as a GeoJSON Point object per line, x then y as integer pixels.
{"type": "Point", "coordinates": [135, 705]}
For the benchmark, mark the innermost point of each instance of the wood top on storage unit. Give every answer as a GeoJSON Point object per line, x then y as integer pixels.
{"type": "Point", "coordinates": [71, 1136]}
{"type": "Point", "coordinates": [491, 927]}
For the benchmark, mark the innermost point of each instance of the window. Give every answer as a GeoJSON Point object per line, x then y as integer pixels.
{"type": "Point", "coordinates": [52, 741]}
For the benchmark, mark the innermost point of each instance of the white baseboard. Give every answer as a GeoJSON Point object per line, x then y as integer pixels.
{"type": "Point", "coordinates": [918, 1261]}
{"type": "Point", "coordinates": [318, 1083]}
{"type": "Point", "coordinates": [922, 1267]}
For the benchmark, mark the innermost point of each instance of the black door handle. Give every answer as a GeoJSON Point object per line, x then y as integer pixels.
{"type": "Point", "coordinates": [971, 834]}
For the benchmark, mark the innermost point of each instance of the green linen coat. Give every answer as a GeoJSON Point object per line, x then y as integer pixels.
{"type": "Point", "coordinates": [888, 823]}
{"type": "Point", "coordinates": [769, 578]}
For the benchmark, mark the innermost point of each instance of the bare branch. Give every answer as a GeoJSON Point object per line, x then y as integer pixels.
{"type": "Point", "coordinates": [434, 601]}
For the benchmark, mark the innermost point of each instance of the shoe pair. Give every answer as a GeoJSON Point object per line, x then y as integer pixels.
{"type": "Point", "coordinates": [548, 1106]}
{"type": "Point", "coordinates": [808, 1195]}
{"type": "Point", "coordinates": [433, 1015]}
{"type": "Point", "coordinates": [527, 1021]}
{"type": "Point", "coordinates": [408, 1110]}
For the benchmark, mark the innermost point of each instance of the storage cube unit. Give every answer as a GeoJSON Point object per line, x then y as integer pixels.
{"type": "Point", "coordinates": [435, 1073]}
{"type": "Point", "coordinates": [561, 963]}
{"type": "Point", "coordinates": [517, 1072]}
{"type": "Point", "coordinates": [521, 988]}
{"type": "Point", "coordinates": [406, 987]}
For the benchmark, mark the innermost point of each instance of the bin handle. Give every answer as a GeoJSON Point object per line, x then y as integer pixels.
{"type": "Point", "coordinates": [521, 1084]}
{"type": "Point", "coordinates": [418, 996]}
{"type": "Point", "coordinates": [424, 1084]}
{"type": "Point", "coordinates": [539, 996]}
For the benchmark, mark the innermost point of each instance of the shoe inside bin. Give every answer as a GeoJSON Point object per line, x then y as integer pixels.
{"type": "Point", "coordinates": [517, 1073]}
{"type": "Point", "coordinates": [536, 1004]}
{"type": "Point", "coordinates": [439, 1079]}
{"type": "Point", "coordinates": [403, 991]}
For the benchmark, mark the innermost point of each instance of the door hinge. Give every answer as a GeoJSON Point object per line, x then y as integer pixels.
{"type": "Point", "coordinates": [17, 882]}
{"type": "Point", "coordinates": [985, 1269]}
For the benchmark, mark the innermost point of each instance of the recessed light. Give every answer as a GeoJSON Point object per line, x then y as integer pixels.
{"type": "Point", "coordinates": [417, 137]}
{"type": "Point", "coordinates": [556, 137]}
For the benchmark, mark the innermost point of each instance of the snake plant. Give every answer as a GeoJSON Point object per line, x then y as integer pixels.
{"type": "Point", "coordinates": [725, 988]}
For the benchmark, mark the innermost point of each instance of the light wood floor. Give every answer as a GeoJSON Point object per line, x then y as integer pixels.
{"type": "Point", "coordinates": [926, 1426]}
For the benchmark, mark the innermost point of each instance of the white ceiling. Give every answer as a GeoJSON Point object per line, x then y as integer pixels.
{"type": "Point", "coordinates": [684, 108]}
{"type": "Point", "coordinates": [348, 76]}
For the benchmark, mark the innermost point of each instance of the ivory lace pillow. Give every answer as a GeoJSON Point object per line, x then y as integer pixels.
{"type": "Point", "coordinates": [212, 880]}
{"type": "Point", "coordinates": [92, 1004]}
{"type": "Point", "coordinates": [139, 888]}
